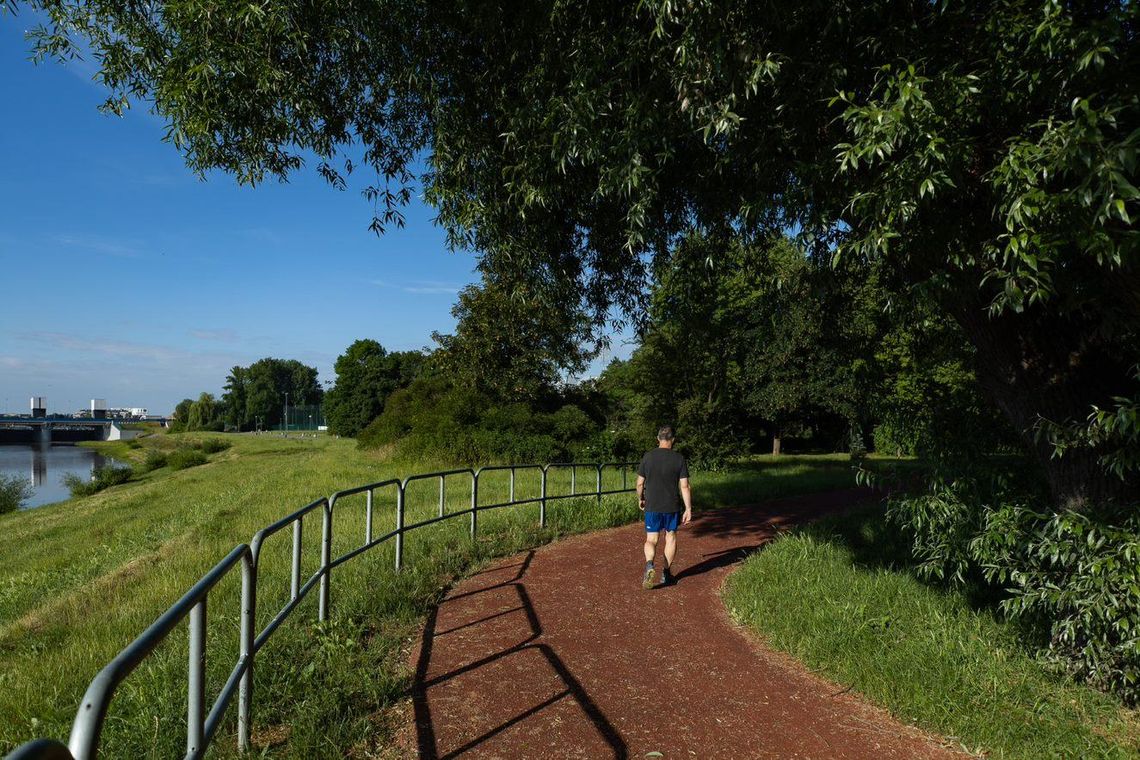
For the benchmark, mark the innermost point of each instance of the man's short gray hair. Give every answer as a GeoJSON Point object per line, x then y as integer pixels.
{"type": "Point", "coordinates": [666, 433]}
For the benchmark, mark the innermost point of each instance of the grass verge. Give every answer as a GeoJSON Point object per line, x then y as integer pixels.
{"type": "Point", "coordinates": [836, 594]}
{"type": "Point", "coordinates": [80, 579]}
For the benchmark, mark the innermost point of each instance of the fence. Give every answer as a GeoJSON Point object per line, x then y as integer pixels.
{"type": "Point", "coordinates": [304, 417]}
{"type": "Point", "coordinates": [202, 725]}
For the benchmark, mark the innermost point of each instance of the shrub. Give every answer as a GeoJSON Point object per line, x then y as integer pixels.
{"type": "Point", "coordinates": [182, 459]}
{"type": "Point", "coordinates": [102, 478]}
{"type": "Point", "coordinates": [154, 460]}
{"type": "Point", "coordinates": [434, 419]}
{"type": "Point", "coordinates": [1078, 576]}
{"type": "Point", "coordinates": [134, 443]}
{"type": "Point", "coordinates": [855, 444]}
{"type": "Point", "coordinates": [896, 440]}
{"type": "Point", "coordinates": [14, 491]}
{"type": "Point", "coordinates": [1071, 579]}
{"type": "Point", "coordinates": [213, 445]}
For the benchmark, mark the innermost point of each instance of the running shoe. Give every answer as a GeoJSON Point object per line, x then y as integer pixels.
{"type": "Point", "coordinates": [647, 581]}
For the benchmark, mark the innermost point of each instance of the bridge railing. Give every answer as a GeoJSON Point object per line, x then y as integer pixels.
{"type": "Point", "coordinates": [202, 726]}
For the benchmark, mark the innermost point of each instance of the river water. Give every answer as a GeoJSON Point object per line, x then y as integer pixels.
{"type": "Point", "coordinates": [45, 467]}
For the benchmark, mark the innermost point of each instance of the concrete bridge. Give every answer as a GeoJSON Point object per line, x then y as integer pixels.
{"type": "Point", "coordinates": [60, 429]}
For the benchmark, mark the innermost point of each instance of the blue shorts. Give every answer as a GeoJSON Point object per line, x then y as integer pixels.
{"type": "Point", "coordinates": [659, 521]}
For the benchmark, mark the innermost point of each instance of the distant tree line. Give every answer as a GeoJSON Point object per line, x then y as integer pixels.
{"type": "Point", "coordinates": [769, 349]}
{"type": "Point", "coordinates": [254, 396]}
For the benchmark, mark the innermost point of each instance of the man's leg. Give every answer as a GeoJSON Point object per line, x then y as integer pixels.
{"type": "Point", "coordinates": [650, 546]}
{"type": "Point", "coordinates": [670, 551]}
{"type": "Point", "coordinates": [650, 550]}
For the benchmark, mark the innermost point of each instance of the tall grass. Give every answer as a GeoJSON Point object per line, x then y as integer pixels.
{"type": "Point", "coordinates": [79, 580]}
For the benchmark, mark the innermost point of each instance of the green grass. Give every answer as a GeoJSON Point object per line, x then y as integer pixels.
{"type": "Point", "coordinates": [80, 579]}
{"type": "Point", "coordinates": [838, 596]}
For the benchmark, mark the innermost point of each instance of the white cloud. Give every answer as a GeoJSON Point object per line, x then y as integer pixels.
{"type": "Point", "coordinates": [223, 334]}
{"type": "Point", "coordinates": [422, 287]}
{"type": "Point", "coordinates": [99, 245]}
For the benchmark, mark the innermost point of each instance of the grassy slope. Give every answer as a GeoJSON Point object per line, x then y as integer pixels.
{"type": "Point", "coordinates": [80, 579]}
{"type": "Point", "coordinates": [829, 595]}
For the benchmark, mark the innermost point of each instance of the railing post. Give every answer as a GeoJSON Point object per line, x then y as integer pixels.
{"type": "Point", "coordinates": [512, 499]}
{"type": "Point", "coordinates": [295, 571]}
{"type": "Point", "coordinates": [196, 693]}
{"type": "Point", "coordinates": [542, 500]}
{"type": "Point", "coordinates": [474, 503]}
{"type": "Point", "coordinates": [368, 518]}
{"type": "Point", "coordinates": [400, 525]}
{"type": "Point", "coordinates": [326, 559]}
{"type": "Point", "coordinates": [442, 492]}
{"type": "Point", "coordinates": [573, 479]}
{"type": "Point", "coordinates": [599, 485]}
{"type": "Point", "coordinates": [248, 622]}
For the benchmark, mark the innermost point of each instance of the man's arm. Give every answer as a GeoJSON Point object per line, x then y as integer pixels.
{"type": "Point", "coordinates": [687, 497]}
{"type": "Point", "coordinates": [641, 492]}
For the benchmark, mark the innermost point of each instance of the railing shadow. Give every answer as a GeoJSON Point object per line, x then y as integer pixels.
{"type": "Point", "coordinates": [427, 742]}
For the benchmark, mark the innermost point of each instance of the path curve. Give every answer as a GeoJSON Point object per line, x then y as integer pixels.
{"type": "Point", "coordinates": [559, 653]}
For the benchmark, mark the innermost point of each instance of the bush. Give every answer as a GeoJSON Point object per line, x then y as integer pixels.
{"type": "Point", "coordinates": [894, 440]}
{"type": "Point", "coordinates": [1078, 576]}
{"type": "Point", "coordinates": [434, 419]}
{"type": "Point", "coordinates": [134, 443]}
{"type": "Point", "coordinates": [154, 460]}
{"type": "Point", "coordinates": [14, 491]}
{"type": "Point", "coordinates": [102, 478]}
{"type": "Point", "coordinates": [213, 445]}
{"type": "Point", "coordinates": [183, 459]}
{"type": "Point", "coordinates": [1071, 579]}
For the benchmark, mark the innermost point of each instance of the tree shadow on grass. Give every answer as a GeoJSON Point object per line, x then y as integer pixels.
{"type": "Point", "coordinates": [874, 543]}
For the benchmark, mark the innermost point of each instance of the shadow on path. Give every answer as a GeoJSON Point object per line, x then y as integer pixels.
{"type": "Point", "coordinates": [561, 653]}
{"type": "Point", "coordinates": [425, 734]}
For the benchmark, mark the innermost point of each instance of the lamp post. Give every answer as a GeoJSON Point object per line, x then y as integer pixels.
{"type": "Point", "coordinates": [285, 416]}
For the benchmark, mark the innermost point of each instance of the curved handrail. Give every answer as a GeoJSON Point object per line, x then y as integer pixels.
{"type": "Point", "coordinates": [88, 724]}
{"type": "Point", "coordinates": [202, 725]}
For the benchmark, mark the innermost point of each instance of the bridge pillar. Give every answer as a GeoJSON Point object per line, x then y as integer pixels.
{"type": "Point", "coordinates": [43, 434]}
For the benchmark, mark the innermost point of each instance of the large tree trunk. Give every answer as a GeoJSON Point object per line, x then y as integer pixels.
{"type": "Point", "coordinates": [1038, 364]}
{"type": "Point", "coordinates": [776, 442]}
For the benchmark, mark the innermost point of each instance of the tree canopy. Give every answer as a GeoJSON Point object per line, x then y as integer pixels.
{"type": "Point", "coordinates": [366, 375]}
{"type": "Point", "coordinates": [258, 393]}
{"type": "Point", "coordinates": [984, 153]}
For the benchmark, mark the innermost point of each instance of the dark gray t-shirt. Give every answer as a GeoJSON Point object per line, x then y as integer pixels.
{"type": "Point", "coordinates": [662, 470]}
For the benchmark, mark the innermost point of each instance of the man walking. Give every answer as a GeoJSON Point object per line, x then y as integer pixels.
{"type": "Point", "coordinates": [661, 474]}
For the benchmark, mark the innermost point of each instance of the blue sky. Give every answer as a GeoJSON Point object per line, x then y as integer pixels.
{"type": "Point", "coordinates": [125, 277]}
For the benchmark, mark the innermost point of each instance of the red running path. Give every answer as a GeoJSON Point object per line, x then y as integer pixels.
{"type": "Point", "coordinates": [559, 653]}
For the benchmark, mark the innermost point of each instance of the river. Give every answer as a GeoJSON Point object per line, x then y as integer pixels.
{"type": "Point", "coordinates": [45, 467]}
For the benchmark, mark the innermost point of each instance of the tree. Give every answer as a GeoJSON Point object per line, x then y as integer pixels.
{"type": "Point", "coordinates": [516, 341]}
{"type": "Point", "coordinates": [182, 411]}
{"type": "Point", "coordinates": [204, 414]}
{"type": "Point", "coordinates": [743, 338]}
{"type": "Point", "coordinates": [366, 375]}
{"type": "Point", "coordinates": [259, 391]}
{"type": "Point", "coordinates": [985, 151]}
{"type": "Point", "coordinates": [929, 403]}
{"type": "Point", "coordinates": [234, 399]}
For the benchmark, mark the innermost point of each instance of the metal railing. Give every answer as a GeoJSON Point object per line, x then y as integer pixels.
{"type": "Point", "coordinates": [201, 726]}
